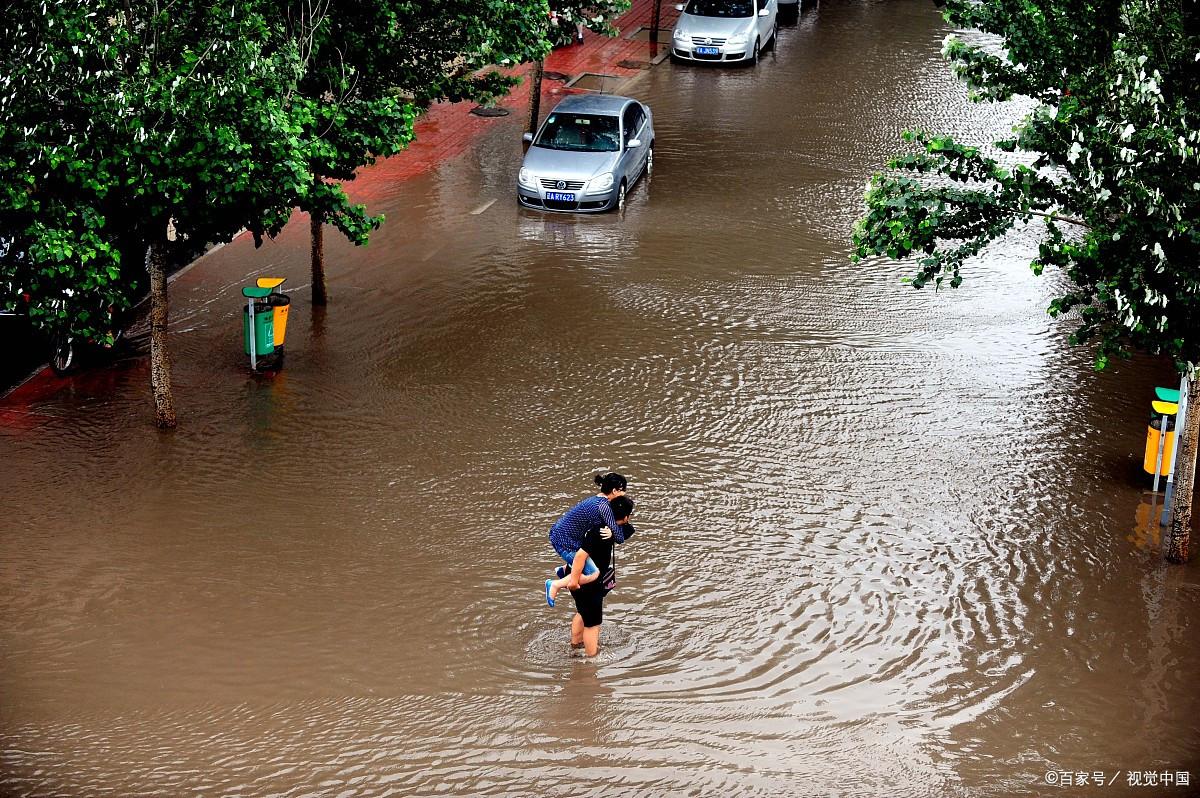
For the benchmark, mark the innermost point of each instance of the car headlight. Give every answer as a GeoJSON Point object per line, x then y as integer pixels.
{"type": "Point", "coordinates": [527, 178]}
{"type": "Point", "coordinates": [738, 38]}
{"type": "Point", "coordinates": [602, 182]}
{"type": "Point", "coordinates": [679, 34]}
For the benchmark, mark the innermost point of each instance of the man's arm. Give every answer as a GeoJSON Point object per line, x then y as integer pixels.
{"type": "Point", "coordinates": [577, 564]}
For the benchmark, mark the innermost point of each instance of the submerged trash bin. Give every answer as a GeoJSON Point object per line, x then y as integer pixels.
{"type": "Point", "coordinates": [279, 304]}
{"type": "Point", "coordinates": [1161, 411]}
{"type": "Point", "coordinates": [264, 329]}
{"type": "Point", "coordinates": [264, 323]}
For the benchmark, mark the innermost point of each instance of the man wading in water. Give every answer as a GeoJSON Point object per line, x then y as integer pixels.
{"type": "Point", "coordinates": [568, 531]}
{"type": "Point", "coordinates": [589, 598]}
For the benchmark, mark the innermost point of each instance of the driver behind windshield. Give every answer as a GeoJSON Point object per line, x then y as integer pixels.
{"type": "Point", "coordinates": [583, 132]}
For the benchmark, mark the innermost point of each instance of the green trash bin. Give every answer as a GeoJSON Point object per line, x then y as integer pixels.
{"type": "Point", "coordinates": [264, 325]}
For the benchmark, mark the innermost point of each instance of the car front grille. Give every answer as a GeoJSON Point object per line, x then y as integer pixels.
{"type": "Point", "coordinates": [559, 205]}
{"type": "Point", "coordinates": [553, 185]}
{"type": "Point", "coordinates": [701, 40]}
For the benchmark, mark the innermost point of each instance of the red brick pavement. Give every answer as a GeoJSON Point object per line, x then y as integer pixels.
{"type": "Point", "coordinates": [442, 133]}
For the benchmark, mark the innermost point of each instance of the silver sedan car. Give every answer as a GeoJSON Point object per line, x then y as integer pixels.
{"type": "Point", "coordinates": [587, 155]}
{"type": "Point", "coordinates": [725, 30]}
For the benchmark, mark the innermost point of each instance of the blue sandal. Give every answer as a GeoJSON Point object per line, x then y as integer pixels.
{"type": "Point", "coordinates": [549, 600]}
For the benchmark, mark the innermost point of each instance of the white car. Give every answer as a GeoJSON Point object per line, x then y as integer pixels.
{"type": "Point", "coordinates": [725, 30]}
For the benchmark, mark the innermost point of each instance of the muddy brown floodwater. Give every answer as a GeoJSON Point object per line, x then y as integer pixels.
{"type": "Point", "coordinates": [891, 541]}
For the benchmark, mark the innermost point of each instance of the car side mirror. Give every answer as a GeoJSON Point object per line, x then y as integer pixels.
{"type": "Point", "coordinates": [762, 12]}
{"type": "Point", "coordinates": [527, 137]}
{"type": "Point", "coordinates": [633, 143]}
{"type": "Point", "coordinates": [679, 6]}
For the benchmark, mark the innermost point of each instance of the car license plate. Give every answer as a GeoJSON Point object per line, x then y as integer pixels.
{"type": "Point", "coordinates": [560, 196]}
{"type": "Point", "coordinates": [708, 51]}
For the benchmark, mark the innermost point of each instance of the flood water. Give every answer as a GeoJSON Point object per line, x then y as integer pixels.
{"type": "Point", "coordinates": [891, 542]}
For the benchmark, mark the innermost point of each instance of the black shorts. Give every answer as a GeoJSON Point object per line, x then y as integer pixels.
{"type": "Point", "coordinates": [590, 605]}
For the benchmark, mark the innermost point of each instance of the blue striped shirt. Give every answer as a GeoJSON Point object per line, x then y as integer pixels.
{"type": "Point", "coordinates": [591, 513]}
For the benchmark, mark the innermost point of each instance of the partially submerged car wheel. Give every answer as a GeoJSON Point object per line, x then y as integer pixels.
{"type": "Point", "coordinates": [621, 198]}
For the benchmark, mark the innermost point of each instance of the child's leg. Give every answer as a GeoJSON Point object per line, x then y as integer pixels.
{"type": "Point", "coordinates": [568, 556]}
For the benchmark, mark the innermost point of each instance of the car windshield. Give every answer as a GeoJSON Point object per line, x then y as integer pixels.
{"type": "Point", "coordinates": [582, 132]}
{"type": "Point", "coordinates": [720, 8]}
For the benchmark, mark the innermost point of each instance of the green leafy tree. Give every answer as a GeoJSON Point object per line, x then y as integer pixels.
{"type": "Point", "coordinates": [120, 122]}
{"type": "Point", "coordinates": [373, 65]}
{"type": "Point", "coordinates": [1105, 170]}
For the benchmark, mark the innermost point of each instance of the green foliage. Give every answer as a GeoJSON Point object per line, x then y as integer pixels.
{"type": "Point", "coordinates": [117, 119]}
{"type": "Point", "coordinates": [596, 16]}
{"type": "Point", "coordinates": [1113, 176]}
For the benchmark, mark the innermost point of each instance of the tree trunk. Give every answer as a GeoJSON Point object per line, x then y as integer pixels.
{"type": "Point", "coordinates": [535, 95]}
{"type": "Point", "coordinates": [160, 360]}
{"type": "Point", "coordinates": [1185, 478]}
{"type": "Point", "coordinates": [655, 21]}
{"type": "Point", "coordinates": [319, 295]}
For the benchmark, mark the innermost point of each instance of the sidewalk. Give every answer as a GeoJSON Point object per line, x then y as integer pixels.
{"type": "Point", "coordinates": [443, 133]}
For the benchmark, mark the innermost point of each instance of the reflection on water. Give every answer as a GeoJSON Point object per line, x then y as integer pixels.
{"type": "Point", "coordinates": [1147, 531]}
{"type": "Point", "coordinates": [885, 539]}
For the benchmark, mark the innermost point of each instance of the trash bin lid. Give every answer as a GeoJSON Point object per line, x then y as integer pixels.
{"type": "Point", "coordinates": [1167, 394]}
{"type": "Point", "coordinates": [1165, 408]}
{"type": "Point", "coordinates": [256, 293]}
{"type": "Point", "coordinates": [271, 282]}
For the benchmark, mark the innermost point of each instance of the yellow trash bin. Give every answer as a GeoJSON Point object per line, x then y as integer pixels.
{"type": "Point", "coordinates": [280, 302]}
{"type": "Point", "coordinates": [1153, 432]}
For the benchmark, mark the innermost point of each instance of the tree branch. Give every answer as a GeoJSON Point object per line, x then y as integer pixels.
{"type": "Point", "coordinates": [1057, 218]}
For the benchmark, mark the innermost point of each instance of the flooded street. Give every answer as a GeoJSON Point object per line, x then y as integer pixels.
{"type": "Point", "coordinates": [890, 542]}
